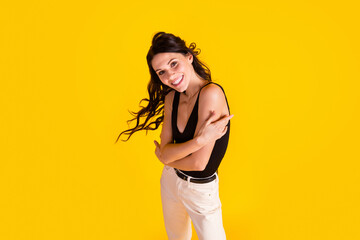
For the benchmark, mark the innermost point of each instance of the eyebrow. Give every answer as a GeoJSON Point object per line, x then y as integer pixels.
{"type": "Point", "coordinates": [167, 63]}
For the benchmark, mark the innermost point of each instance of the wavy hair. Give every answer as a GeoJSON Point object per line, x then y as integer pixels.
{"type": "Point", "coordinates": [150, 117]}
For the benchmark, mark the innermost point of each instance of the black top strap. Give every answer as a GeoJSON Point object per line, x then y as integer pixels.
{"type": "Point", "coordinates": [221, 89]}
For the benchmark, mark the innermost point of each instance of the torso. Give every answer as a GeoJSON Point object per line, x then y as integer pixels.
{"type": "Point", "coordinates": [185, 109]}
{"type": "Point", "coordinates": [184, 125]}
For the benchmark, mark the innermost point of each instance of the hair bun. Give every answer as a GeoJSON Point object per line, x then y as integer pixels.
{"type": "Point", "coordinates": [156, 36]}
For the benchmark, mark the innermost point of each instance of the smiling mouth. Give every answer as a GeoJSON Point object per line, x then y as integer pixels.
{"type": "Point", "coordinates": [177, 82]}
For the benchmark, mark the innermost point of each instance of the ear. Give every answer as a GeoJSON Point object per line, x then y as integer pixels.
{"type": "Point", "coordinates": [189, 57]}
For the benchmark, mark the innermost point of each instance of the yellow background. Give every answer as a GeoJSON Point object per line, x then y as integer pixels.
{"type": "Point", "coordinates": [70, 71]}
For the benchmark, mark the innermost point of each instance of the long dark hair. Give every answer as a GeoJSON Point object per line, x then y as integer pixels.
{"type": "Point", "coordinates": [162, 42]}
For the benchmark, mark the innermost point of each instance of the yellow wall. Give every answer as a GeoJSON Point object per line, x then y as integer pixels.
{"type": "Point", "coordinates": [70, 70]}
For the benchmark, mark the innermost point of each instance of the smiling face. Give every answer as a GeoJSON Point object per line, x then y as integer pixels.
{"type": "Point", "coordinates": [174, 69]}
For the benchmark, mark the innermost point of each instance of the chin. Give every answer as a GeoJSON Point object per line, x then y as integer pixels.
{"type": "Point", "coordinates": [183, 88]}
{"type": "Point", "coordinates": [179, 88]}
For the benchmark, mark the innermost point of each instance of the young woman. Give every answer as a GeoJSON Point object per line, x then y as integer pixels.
{"type": "Point", "coordinates": [195, 130]}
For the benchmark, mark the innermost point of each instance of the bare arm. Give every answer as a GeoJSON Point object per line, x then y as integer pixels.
{"type": "Point", "coordinates": [212, 99]}
{"type": "Point", "coordinates": [168, 151]}
{"type": "Point", "coordinates": [206, 133]}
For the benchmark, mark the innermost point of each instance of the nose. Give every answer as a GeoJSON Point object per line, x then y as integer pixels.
{"type": "Point", "coordinates": [171, 75]}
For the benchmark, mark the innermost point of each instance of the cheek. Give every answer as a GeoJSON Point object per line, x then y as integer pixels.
{"type": "Point", "coordinates": [180, 68]}
{"type": "Point", "coordinates": [162, 79]}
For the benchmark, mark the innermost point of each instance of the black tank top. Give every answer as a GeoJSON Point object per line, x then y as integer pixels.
{"type": "Point", "coordinates": [220, 146]}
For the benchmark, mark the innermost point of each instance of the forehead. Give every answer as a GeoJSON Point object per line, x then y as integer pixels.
{"type": "Point", "coordinates": [161, 59]}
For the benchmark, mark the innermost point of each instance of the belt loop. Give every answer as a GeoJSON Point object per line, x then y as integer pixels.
{"type": "Point", "coordinates": [190, 186]}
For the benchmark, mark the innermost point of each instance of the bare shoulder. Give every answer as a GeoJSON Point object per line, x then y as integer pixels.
{"type": "Point", "coordinates": [212, 98]}
{"type": "Point", "coordinates": [212, 93]}
{"type": "Point", "coordinates": [169, 98]}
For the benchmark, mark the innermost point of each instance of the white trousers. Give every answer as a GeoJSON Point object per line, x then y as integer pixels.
{"type": "Point", "coordinates": [185, 201]}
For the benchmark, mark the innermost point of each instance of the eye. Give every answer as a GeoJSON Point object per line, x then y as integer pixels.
{"type": "Point", "coordinates": [172, 64]}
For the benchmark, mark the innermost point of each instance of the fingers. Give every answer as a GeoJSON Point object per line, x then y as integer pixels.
{"type": "Point", "coordinates": [227, 117]}
{"type": "Point", "coordinates": [222, 132]}
{"type": "Point", "coordinates": [157, 144]}
{"type": "Point", "coordinates": [224, 120]}
{"type": "Point", "coordinates": [225, 130]}
{"type": "Point", "coordinates": [157, 150]}
{"type": "Point", "coordinates": [211, 117]}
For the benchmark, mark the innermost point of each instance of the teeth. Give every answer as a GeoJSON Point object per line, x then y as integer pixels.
{"type": "Point", "coordinates": [177, 81]}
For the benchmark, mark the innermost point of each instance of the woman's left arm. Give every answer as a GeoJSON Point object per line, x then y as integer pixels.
{"type": "Point", "coordinates": [211, 99]}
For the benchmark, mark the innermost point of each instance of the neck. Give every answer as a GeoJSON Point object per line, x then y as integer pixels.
{"type": "Point", "coordinates": [194, 86]}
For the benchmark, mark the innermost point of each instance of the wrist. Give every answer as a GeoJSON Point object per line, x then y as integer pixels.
{"type": "Point", "coordinates": [200, 141]}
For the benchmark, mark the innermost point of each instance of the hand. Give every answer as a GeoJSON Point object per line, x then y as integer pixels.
{"type": "Point", "coordinates": [212, 130]}
{"type": "Point", "coordinates": [157, 150]}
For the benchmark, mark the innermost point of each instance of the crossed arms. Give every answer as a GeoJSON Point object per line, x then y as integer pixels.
{"type": "Point", "coordinates": [194, 154]}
